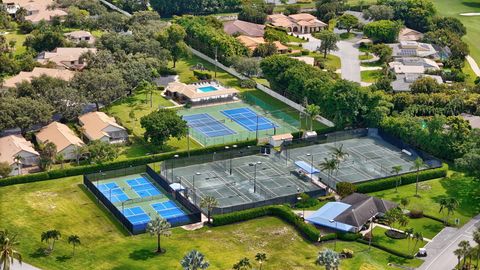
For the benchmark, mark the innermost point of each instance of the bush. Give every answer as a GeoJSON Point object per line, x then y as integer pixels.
{"type": "Point", "coordinates": [347, 236]}
{"type": "Point", "coordinates": [248, 83]}
{"type": "Point", "coordinates": [328, 237]}
{"type": "Point", "coordinates": [348, 253]}
{"type": "Point", "coordinates": [305, 52]}
{"type": "Point", "coordinates": [395, 234]}
{"type": "Point", "coordinates": [387, 249]}
{"type": "Point", "coordinates": [416, 213]}
{"type": "Point", "coordinates": [345, 188]}
{"type": "Point", "coordinates": [202, 75]}
{"type": "Point", "coordinates": [306, 201]}
{"type": "Point", "coordinates": [408, 178]}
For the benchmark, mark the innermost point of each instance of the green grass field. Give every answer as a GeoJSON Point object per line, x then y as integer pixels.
{"type": "Point", "coordinates": [402, 245]}
{"type": "Point", "coordinates": [63, 204]}
{"type": "Point", "coordinates": [370, 76]}
{"type": "Point", "coordinates": [427, 226]}
{"type": "Point", "coordinates": [454, 8]}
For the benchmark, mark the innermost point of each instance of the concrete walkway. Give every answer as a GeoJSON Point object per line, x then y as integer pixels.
{"type": "Point", "coordinates": [440, 250]}
{"type": "Point", "coordinates": [474, 65]}
{"type": "Point", "coordinates": [23, 266]}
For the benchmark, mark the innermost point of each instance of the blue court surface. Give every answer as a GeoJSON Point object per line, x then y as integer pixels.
{"type": "Point", "coordinates": [168, 209]}
{"type": "Point", "coordinates": [249, 119]}
{"type": "Point", "coordinates": [113, 192]}
{"type": "Point", "coordinates": [143, 187]}
{"type": "Point", "coordinates": [136, 215]}
{"type": "Point", "coordinates": [207, 125]}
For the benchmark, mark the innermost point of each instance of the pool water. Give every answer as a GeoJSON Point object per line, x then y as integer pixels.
{"type": "Point", "coordinates": [206, 89]}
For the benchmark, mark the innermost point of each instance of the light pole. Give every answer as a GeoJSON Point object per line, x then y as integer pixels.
{"type": "Point", "coordinates": [226, 149]}
{"type": "Point", "coordinates": [173, 164]}
{"type": "Point", "coordinates": [299, 198]}
{"type": "Point", "coordinates": [311, 166]}
{"type": "Point", "coordinates": [195, 193]}
{"type": "Point", "coordinates": [255, 174]}
{"type": "Point", "coordinates": [336, 231]}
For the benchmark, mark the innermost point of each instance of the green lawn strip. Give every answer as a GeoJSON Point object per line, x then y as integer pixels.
{"type": "Point", "coordinates": [365, 56]}
{"type": "Point", "coordinates": [370, 76]}
{"type": "Point", "coordinates": [400, 245]}
{"type": "Point", "coordinates": [262, 81]}
{"type": "Point", "coordinates": [427, 226]}
{"type": "Point", "coordinates": [19, 39]}
{"type": "Point", "coordinates": [64, 205]}
{"type": "Point", "coordinates": [371, 64]}
{"type": "Point", "coordinates": [471, 76]}
{"type": "Point", "coordinates": [345, 36]}
{"type": "Point", "coordinates": [461, 188]}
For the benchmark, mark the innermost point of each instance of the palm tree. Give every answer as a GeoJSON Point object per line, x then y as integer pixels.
{"type": "Point", "coordinates": [329, 258]}
{"type": "Point", "coordinates": [209, 202]}
{"type": "Point", "coordinates": [312, 111]}
{"type": "Point", "coordinates": [7, 250]}
{"type": "Point", "coordinates": [464, 245]}
{"type": "Point", "coordinates": [60, 158]}
{"type": "Point", "coordinates": [50, 235]}
{"type": "Point", "coordinates": [450, 205]}
{"type": "Point", "coordinates": [79, 151]}
{"type": "Point", "coordinates": [417, 165]}
{"type": "Point", "coordinates": [339, 154]}
{"type": "Point", "coordinates": [243, 264]}
{"type": "Point", "coordinates": [159, 227]}
{"type": "Point", "coordinates": [194, 260]}
{"type": "Point", "coordinates": [18, 161]}
{"type": "Point", "coordinates": [476, 238]}
{"type": "Point", "coordinates": [329, 165]}
{"type": "Point", "coordinates": [417, 237]}
{"type": "Point", "coordinates": [74, 240]}
{"type": "Point", "coordinates": [396, 170]}
{"type": "Point", "coordinates": [409, 234]}
{"type": "Point", "coordinates": [404, 202]}
{"type": "Point", "coordinates": [260, 258]}
{"type": "Point", "coordinates": [459, 253]}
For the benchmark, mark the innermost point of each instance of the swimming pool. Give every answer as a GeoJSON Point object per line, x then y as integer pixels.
{"type": "Point", "coordinates": [206, 89]}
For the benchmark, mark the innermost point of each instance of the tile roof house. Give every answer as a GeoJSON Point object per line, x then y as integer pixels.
{"type": "Point", "coordinates": [298, 23]}
{"type": "Point", "coordinates": [403, 81]}
{"type": "Point", "coordinates": [65, 58]}
{"type": "Point", "coordinates": [99, 126]}
{"type": "Point", "coordinates": [194, 93]}
{"type": "Point", "coordinates": [65, 75]}
{"type": "Point", "coordinates": [15, 145]}
{"type": "Point", "coordinates": [252, 43]}
{"type": "Point", "coordinates": [38, 10]}
{"type": "Point", "coordinates": [412, 49]}
{"type": "Point", "coordinates": [407, 34]}
{"type": "Point", "coordinates": [63, 137]}
{"type": "Point", "coordinates": [351, 213]}
{"type": "Point", "coordinates": [79, 36]}
{"type": "Point", "coordinates": [239, 27]}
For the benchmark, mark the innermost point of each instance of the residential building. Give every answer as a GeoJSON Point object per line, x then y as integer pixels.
{"type": "Point", "coordinates": [200, 93]}
{"type": "Point", "coordinates": [65, 75]}
{"type": "Point", "coordinates": [79, 36]}
{"type": "Point", "coordinates": [407, 34]}
{"type": "Point", "coordinates": [239, 27]}
{"type": "Point", "coordinates": [351, 213]}
{"type": "Point", "coordinates": [37, 10]}
{"type": "Point", "coordinates": [63, 137]}
{"type": "Point", "coordinates": [405, 62]}
{"type": "Point", "coordinates": [252, 43]}
{"type": "Point", "coordinates": [65, 58]}
{"type": "Point", "coordinates": [473, 120]}
{"type": "Point", "coordinates": [403, 81]}
{"type": "Point", "coordinates": [99, 126]}
{"type": "Point", "coordinates": [11, 8]}
{"type": "Point", "coordinates": [299, 23]}
{"type": "Point", "coordinates": [413, 49]}
{"type": "Point", "coordinates": [14, 146]}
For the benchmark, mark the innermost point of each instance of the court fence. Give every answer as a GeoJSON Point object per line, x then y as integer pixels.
{"type": "Point", "coordinates": [194, 215]}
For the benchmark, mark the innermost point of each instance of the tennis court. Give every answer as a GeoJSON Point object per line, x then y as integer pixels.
{"type": "Point", "coordinates": [249, 119]}
{"type": "Point", "coordinates": [143, 187]}
{"type": "Point", "coordinates": [113, 192]}
{"type": "Point", "coordinates": [136, 215]}
{"type": "Point", "coordinates": [207, 125]}
{"type": "Point", "coordinates": [168, 209]}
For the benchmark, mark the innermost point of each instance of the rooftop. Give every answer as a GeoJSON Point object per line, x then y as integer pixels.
{"type": "Point", "coordinates": [12, 145]}
{"type": "Point", "coordinates": [60, 135]}
{"type": "Point", "coordinates": [94, 124]}
{"type": "Point", "coordinates": [65, 75]}
{"type": "Point", "coordinates": [244, 28]}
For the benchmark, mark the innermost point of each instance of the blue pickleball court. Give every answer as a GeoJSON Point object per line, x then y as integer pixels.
{"type": "Point", "coordinates": [207, 125]}
{"type": "Point", "coordinates": [143, 187]}
{"type": "Point", "coordinates": [113, 192]}
{"type": "Point", "coordinates": [249, 119]}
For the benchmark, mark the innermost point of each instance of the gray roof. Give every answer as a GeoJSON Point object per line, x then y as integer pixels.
{"type": "Point", "coordinates": [403, 81]}
{"type": "Point", "coordinates": [363, 208]}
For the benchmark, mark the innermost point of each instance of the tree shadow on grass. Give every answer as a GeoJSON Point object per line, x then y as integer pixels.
{"type": "Point", "coordinates": [142, 254]}
{"type": "Point", "coordinates": [397, 260]}
{"type": "Point", "coordinates": [63, 258]}
{"type": "Point", "coordinates": [465, 190]}
{"type": "Point", "coordinates": [471, 4]}
{"type": "Point", "coordinates": [39, 253]}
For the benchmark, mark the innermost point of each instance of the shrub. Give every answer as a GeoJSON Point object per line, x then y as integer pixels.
{"type": "Point", "coordinates": [345, 188]}
{"type": "Point", "coordinates": [416, 212]}
{"type": "Point", "coordinates": [328, 237]}
{"type": "Point", "coordinates": [306, 201]}
{"type": "Point", "coordinates": [202, 75]}
{"type": "Point", "coordinates": [305, 52]}
{"type": "Point", "coordinates": [247, 83]}
{"type": "Point", "coordinates": [395, 234]}
{"type": "Point", "coordinates": [348, 253]}
{"type": "Point", "coordinates": [349, 236]}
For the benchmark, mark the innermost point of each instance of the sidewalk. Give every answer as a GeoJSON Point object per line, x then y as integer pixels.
{"type": "Point", "coordinates": [474, 65]}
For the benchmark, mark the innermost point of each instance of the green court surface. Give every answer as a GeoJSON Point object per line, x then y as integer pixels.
{"type": "Point", "coordinates": [284, 123]}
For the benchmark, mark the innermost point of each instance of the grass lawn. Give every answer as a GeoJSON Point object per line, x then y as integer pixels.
{"type": "Point", "coordinates": [427, 226]}
{"type": "Point", "coordinates": [19, 39]}
{"type": "Point", "coordinates": [262, 81]}
{"type": "Point", "coordinates": [345, 36]}
{"type": "Point", "coordinates": [464, 189]}
{"type": "Point", "coordinates": [402, 245]}
{"type": "Point", "coordinates": [370, 76]}
{"type": "Point", "coordinates": [332, 62]}
{"type": "Point", "coordinates": [365, 56]}
{"type": "Point", "coordinates": [471, 76]}
{"type": "Point", "coordinates": [454, 8]}
{"type": "Point", "coordinates": [371, 64]}
{"type": "Point", "coordinates": [62, 204]}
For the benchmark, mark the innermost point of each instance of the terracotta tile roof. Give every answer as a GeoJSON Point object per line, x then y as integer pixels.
{"type": "Point", "coordinates": [65, 75]}
{"type": "Point", "coordinates": [39, 9]}
{"type": "Point", "coordinates": [11, 145]}
{"type": "Point", "coordinates": [244, 28]}
{"type": "Point", "coordinates": [253, 42]}
{"type": "Point", "coordinates": [191, 92]}
{"type": "Point", "coordinates": [94, 124]}
{"type": "Point", "coordinates": [302, 17]}
{"type": "Point", "coordinates": [60, 135]}
{"type": "Point", "coordinates": [63, 56]}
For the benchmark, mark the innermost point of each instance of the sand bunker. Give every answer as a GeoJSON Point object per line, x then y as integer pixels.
{"type": "Point", "coordinates": [470, 14]}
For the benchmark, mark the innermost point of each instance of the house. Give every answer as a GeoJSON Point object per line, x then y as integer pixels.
{"type": "Point", "coordinates": [63, 137]}
{"type": "Point", "coordinates": [407, 34]}
{"type": "Point", "coordinates": [65, 75]}
{"type": "Point", "coordinates": [412, 49]}
{"type": "Point", "coordinates": [65, 58]}
{"type": "Point", "coordinates": [11, 8]}
{"type": "Point", "coordinates": [200, 93]}
{"type": "Point", "coordinates": [252, 43]}
{"type": "Point", "coordinates": [239, 27]}
{"type": "Point", "coordinates": [14, 146]}
{"type": "Point", "coordinates": [403, 81]}
{"type": "Point", "coordinates": [99, 126]}
{"type": "Point", "coordinates": [405, 62]}
{"type": "Point", "coordinates": [79, 36]}
{"type": "Point", "coordinates": [37, 10]}
{"type": "Point", "coordinates": [299, 23]}
{"type": "Point", "coordinates": [473, 120]}
{"type": "Point", "coordinates": [351, 213]}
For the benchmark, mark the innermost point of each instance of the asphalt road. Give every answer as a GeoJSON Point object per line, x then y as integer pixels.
{"type": "Point", "coordinates": [440, 250]}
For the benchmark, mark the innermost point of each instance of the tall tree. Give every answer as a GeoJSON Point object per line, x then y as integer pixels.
{"type": "Point", "coordinates": [159, 227]}
{"type": "Point", "coordinates": [329, 165]}
{"type": "Point", "coordinates": [448, 205]}
{"type": "Point", "coordinates": [209, 202]}
{"type": "Point", "coordinates": [382, 31]}
{"type": "Point", "coordinates": [194, 260]}
{"type": "Point", "coordinates": [99, 151]}
{"type": "Point", "coordinates": [347, 22]}
{"type": "Point", "coordinates": [328, 258]}
{"type": "Point", "coordinates": [260, 258]}
{"type": "Point", "coordinates": [243, 264]}
{"type": "Point", "coordinates": [173, 38]}
{"type": "Point", "coordinates": [418, 164]}
{"type": "Point", "coordinates": [8, 252]}
{"type": "Point", "coordinates": [161, 125]}
{"type": "Point", "coordinates": [5, 169]}
{"type": "Point", "coordinates": [328, 41]}
{"type": "Point", "coordinates": [50, 237]}
{"type": "Point", "coordinates": [48, 151]}
{"type": "Point", "coordinates": [396, 170]}
{"type": "Point", "coordinates": [417, 238]}
{"type": "Point", "coordinates": [74, 240]}
{"type": "Point", "coordinates": [378, 12]}
{"type": "Point", "coordinates": [312, 111]}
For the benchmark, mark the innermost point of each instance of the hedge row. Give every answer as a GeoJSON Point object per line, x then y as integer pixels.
{"type": "Point", "coordinates": [387, 249]}
{"type": "Point", "coordinates": [439, 220]}
{"type": "Point", "coordinates": [408, 178]}
{"type": "Point", "coordinates": [86, 169]}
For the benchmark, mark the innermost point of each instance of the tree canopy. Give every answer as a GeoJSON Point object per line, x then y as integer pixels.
{"type": "Point", "coordinates": [161, 125]}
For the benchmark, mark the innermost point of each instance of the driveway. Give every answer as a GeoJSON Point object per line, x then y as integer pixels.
{"type": "Point", "coordinates": [440, 250]}
{"type": "Point", "coordinates": [348, 53]}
